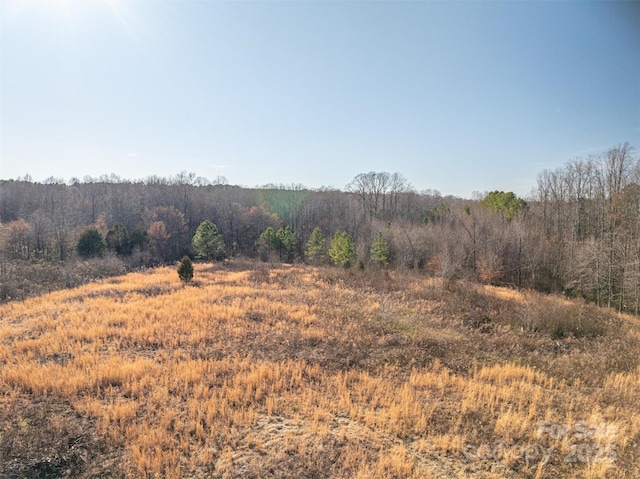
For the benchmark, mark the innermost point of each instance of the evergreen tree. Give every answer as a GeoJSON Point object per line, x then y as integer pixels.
{"type": "Point", "coordinates": [185, 269]}
{"type": "Point", "coordinates": [316, 246]}
{"type": "Point", "coordinates": [138, 237]}
{"type": "Point", "coordinates": [268, 242]}
{"type": "Point", "coordinates": [207, 242]}
{"type": "Point", "coordinates": [287, 243]}
{"type": "Point", "coordinates": [90, 243]}
{"type": "Point", "coordinates": [342, 251]}
{"type": "Point", "coordinates": [506, 203]}
{"type": "Point", "coordinates": [380, 250]}
{"type": "Point", "coordinates": [118, 239]}
{"type": "Point", "coordinates": [284, 242]}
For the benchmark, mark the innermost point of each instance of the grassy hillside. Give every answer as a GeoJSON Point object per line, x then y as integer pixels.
{"type": "Point", "coordinates": [253, 371]}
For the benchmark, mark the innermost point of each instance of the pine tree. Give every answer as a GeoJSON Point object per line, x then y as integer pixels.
{"type": "Point", "coordinates": [118, 239]}
{"type": "Point", "coordinates": [287, 243]}
{"type": "Point", "coordinates": [380, 250]}
{"type": "Point", "coordinates": [506, 203]}
{"type": "Point", "coordinates": [284, 242]}
{"type": "Point", "coordinates": [138, 238]}
{"type": "Point", "coordinates": [185, 269]}
{"type": "Point", "coordinates": [90, 243]}
{"type": "Point", "coordinates": [207, 242]}
{"type": "Point", "coordinates": [342, 251]}
{"type": "Point", "coordinates": [316, 246]}
{"type": "Point", "coordinates": [267, 243]}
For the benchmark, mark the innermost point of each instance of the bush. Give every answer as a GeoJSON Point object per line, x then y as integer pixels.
{"type": "Point", "coordinates": [559, 320]}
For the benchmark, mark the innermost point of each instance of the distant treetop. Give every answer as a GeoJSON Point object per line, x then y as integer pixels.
{"type": "Point", "coordinates": [506, 203]}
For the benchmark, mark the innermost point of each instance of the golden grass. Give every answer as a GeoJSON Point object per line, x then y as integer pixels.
{"type": "Point", "coordinates": [309, 372]}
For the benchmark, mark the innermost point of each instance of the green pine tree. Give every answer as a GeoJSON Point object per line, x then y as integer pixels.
{"type": "Point", "coordinates": [287, 243]}
{"type": "Point", "coordinates": [380, 250]}
{"type": "Point", "coordinates": [342, 251]}
{"type": "Point", "coordinates": [118, 239]}
{"type": "Point", "coordinates": [138, 237]}
{"type": "Point", "coordinates": [506, 203]}
{"type": "Point", "coordinates": [207, 242]}
{"type": "Point", "coordinates": [268, 243]}
{"type": "Point", "coordinates": [90, 243]}
{"type": "Point", "coordinates": [315, 251]}
{"type": "Point", "coordinates": [185, 269]}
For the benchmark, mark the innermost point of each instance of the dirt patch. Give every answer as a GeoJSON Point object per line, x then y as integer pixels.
{"type": "Point", "coordinates": [45, 438]}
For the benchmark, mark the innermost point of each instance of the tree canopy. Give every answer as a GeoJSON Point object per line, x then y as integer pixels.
{"type": "Point", "coordinates": [506, 203]}
{"type": "Point", "coordinates": [578, 233]}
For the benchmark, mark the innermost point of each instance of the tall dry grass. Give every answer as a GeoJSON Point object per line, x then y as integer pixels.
{"type": "Point", "coordinates": [305, 372]}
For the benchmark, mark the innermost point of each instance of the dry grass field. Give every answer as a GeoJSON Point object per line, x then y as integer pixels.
{"type": "Point", "coordinates": [259, 371]}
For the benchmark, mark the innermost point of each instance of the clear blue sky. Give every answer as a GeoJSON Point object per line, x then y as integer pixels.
{"type": "Point", "coordinates": [457, 96]}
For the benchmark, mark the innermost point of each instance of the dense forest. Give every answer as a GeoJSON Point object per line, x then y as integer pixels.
{"type": "Point", "coordinates": [578, 232]}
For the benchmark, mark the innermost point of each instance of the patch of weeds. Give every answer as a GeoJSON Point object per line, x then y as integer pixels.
{"type": "Point", "coordinates": [560, 320]}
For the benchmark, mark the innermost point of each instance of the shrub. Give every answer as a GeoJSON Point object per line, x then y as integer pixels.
{"type": "Point", "coordinates": [560, 320]}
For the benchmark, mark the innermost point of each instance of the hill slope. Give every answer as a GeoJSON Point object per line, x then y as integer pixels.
{"type": "Point", "coordinates": [311, 372]}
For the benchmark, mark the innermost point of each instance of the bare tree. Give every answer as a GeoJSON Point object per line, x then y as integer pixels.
{"type": "Point", "coordinates": [379, 193]}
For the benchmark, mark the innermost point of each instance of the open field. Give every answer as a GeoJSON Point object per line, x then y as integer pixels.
{"type": "Point", "coordinates": [294, 371]}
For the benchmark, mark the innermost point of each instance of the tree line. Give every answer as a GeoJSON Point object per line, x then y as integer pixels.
{"type": "Point", "coordinates": [578, 232]}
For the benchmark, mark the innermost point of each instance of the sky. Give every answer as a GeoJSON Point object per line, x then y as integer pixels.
{"type": "Point", "coordinates": [457, 96]}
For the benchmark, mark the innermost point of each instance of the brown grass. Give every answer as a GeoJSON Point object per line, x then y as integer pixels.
{"type": "Point", "coordinates": [290, 371]}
